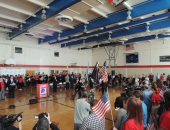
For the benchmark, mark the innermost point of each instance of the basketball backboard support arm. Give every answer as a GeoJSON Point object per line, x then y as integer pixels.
{"type": "Point", "coordinates": [112, 52]}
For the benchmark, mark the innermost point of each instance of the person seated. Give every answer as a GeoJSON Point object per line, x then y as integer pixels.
{"type": "Point", "coordinates": [44, 123]}
{"type": "Point", "coordinates": [92, 122]}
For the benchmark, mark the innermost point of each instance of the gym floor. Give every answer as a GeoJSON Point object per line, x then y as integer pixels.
{"type": "Point", "coordinates": [59, 105]}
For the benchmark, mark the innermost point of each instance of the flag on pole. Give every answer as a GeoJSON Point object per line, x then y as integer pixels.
{"type": "Point", "coordinates": [87, 72]}
{"type": "Point", "coordinates": [151, 125]}
{"type": "Point", "coordinates": [95, 73]}
{"type": "Point", "coordinates": [102, 106]}
{"type": "Point", "coordinates": [130, 47]}
{"type": "Point", "coordinates": [104, 69]}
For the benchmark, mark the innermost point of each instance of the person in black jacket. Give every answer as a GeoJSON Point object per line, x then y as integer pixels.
{"type": "Point", "coordinates": [44, 123]}
{"type": "Point", "coordinates": [55, 82]}
{"type": "Point", "coordinates": [11, 86]}
{"type": "Point", "coordinates": [77, 89]}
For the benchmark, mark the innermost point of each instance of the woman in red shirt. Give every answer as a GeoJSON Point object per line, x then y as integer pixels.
{"type": "Point", "coordinates": [135, 115]}
{"type": "Point", "coordinates": [165, 117]}
{"type": "Point", "coordinates": [2, 89]}
{"type": "Point", "coordinates": [155, 98]}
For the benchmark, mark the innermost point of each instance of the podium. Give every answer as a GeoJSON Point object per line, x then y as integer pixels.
{"type": "Point", "coordinates": [42, 90]}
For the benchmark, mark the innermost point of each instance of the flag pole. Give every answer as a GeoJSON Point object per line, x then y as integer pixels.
{"type": "Point", "coordinates": [111, 110]}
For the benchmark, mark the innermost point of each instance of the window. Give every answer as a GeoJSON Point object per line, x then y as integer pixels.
{"type": "Point", "coordinates": [18, 50]}
{"type": "Point", "coordinates": [56, 54]}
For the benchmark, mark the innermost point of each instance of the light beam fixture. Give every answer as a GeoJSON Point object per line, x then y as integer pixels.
{"type": "Point", "coordinates": [43, 16]}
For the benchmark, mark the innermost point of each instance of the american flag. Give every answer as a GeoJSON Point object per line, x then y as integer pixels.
{"type": "Point", "coordinates": [130, 47]}
{"type": "Point", "coordinates": [151, 125]}
{"type": "Point", "coordinates": [102, 106]}
{"type": "Point", "coordinates": [104, 69]}
{"type": "Point", "coordinates": [163, 90]}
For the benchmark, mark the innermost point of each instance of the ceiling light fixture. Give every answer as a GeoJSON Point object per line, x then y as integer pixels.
{"type": "Point", "coordinates": [84, 42]}
{"type": "Point", "coordinates": [129, 15]}
{"type": "Point", "coordinates": [43, 16]}
{"type": "Point", "coordinates": [21, 26]}
{"type": "Point", "coordinates": [156, 36]}
{"type": "Point", "coordinates": [85, 28]}
{"type": "Point", "coordinates": [59, 38]}
{"type": "Point", "coordinates": [147, 27]}
{"type": "Point", "coordinates": [109, 36]}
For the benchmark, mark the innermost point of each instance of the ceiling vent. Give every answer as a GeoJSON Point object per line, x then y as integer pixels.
{"type": "Point", "coordinates": [167, 32]}
{"type": "Point", "coordinates": [63, 19]}
{"type": "Point", "coordinates": [29, 34]}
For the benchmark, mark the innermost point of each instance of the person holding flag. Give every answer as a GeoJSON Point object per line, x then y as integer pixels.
{"type": "Point", "coordinates": [95, 73]}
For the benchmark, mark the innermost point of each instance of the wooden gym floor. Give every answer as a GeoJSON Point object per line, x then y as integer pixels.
{"type": "Point", "coordinates": [59, 105]}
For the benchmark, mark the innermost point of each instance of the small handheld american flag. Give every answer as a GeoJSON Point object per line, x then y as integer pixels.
{"type": "Point", "coordinates": [102, 106]}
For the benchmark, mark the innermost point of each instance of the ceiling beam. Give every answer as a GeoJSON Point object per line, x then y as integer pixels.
{"type": "Point", "coordinates": [8, 24]}
{"type": "Point", "coordinates": [5, 29]}
{"type": "Point", "coordinates": [121, 26]}
{"type": "Point", "coordinates": [54, 29]}
{"type": "Point", "coordinates": [38, 32]}
{"type": "Point", "coordinates": [66, 25]}
{"type": "Point", "coordinates": [139, 39]}
{"type": "Point", "coordinates": [81, 20]}
{"type": "Point", "coordinates": [99, 12]}
{"type": "Point", "coordinates": [134, 30]}
{"type": "Point", "coordinates": [17, 9]}
{"type": "Point", "coordinates": [137, 11]}
{"type": "Point", "coordinates": [12, 18]}
{"type": "Point", "coordinates": [39, 3]}
{"type": "Point", "coordinates": [55, 7]}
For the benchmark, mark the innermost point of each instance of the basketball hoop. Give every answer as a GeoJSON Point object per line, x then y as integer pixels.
{"type": "Point", "coordinates": [110, 1]}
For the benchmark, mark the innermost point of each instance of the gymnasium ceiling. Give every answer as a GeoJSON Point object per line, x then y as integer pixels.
{"type": "Point", "coordinates": [96, 23]}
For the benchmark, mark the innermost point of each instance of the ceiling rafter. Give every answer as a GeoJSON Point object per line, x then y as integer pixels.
{"type": "Point", "coordinates": [140, 10]}
{"type": "Point", "coordinates": [122, 26]}
{"type": "Point", "coordinates": [17, 9]}
{"type": "Point", "coordinates": [134, 40]}
{"type": "Point", "coordinates": [31, 22]}
{"type": "Point", "coordinates": [134, 30]}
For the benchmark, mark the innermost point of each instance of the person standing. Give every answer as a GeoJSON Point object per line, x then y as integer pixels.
{"type": "Point", "coordinates": [135, 115]}
{"type": "Point", "coordinates": [104, 87]}
{"type": "Point", "coordinates": [165, 117]}
{"type": "Point", "coordinates": [20, 82]}
{"type": "Point", "coordinates": [2, 89]}
{"type": "Point", "coordinates": [67, 81]}
{"type": "Point", "coordinates": [83, 86]}
{"type": "Point", "coordinates": [92, 122]}
{"type": "Point", "coordinates": [11, 86]}
{"type": "Point", "coordinates": [55, 82]}
{"type": "Point", "coordinates": [82, 109]}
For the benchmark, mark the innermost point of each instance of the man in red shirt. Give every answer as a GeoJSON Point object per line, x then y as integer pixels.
{"type": "Point", "coordinates": [2, 89]}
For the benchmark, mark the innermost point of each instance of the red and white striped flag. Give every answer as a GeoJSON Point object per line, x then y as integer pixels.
{"type": "Point", "coordinates": [130, 47]}
{"type": "Point", "coordinates": [102, 106]}
{"type": "Point", "coordinates": [105, 75]}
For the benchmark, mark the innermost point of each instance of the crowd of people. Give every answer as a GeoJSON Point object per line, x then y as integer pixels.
{"type": "Point", "coordinates": [141, 101]}
{"type": "Point", "coordinates": [136, 107]}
